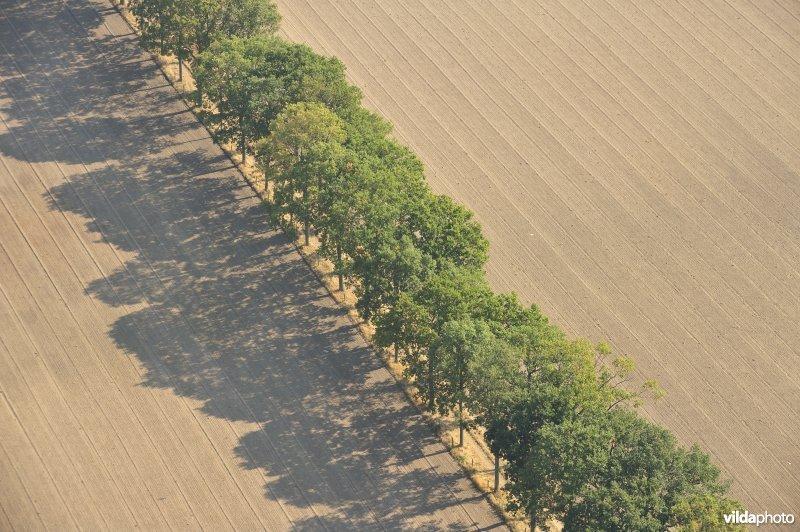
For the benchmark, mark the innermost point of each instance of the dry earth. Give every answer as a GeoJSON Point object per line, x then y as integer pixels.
{"type": "Point", "coordinates": [166, 361]}
{"type": "Point", "coordinates": [636, 167]}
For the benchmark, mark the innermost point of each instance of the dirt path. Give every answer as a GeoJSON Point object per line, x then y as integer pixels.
{"type": "Point", "coordinates": [637, 169]}
{"type": "Point", "coordinates": [166, 362]}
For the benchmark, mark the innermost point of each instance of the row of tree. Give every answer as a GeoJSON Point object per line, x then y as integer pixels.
{"type": "Point", "coordinates": [558, 412]}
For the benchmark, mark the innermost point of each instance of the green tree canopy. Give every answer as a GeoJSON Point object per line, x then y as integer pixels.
{"type": "Point", "coordinates": [186, 27]}
{"type": "Point", "coordinates": [232, 74]}
{"type": "Point", "coordinates": [342, 200]}
{"type": "Point", "coordinates": [251, 80]}
{"type": "Point", "coordinates": [366, 130]}
{"type": "Point", "coordinates": [509, 319]}
{"type": "Point", "coordinates": [166, 25]}
{"type": "Point", "coordinates": [557, 382]}
{"type": "Point", "coordinates": [195, 24]}
{"type": "Point", "coordinates": [454, 293]}
{"type": "Point", "coordinates": [407, 326]}
{"type": "Point", "coordinates": [451, 294]}
{"type": "Point", "coordinates": [459, 344]}
{"type": "Point", "coordinates": [219, 19]}
{"type": "Point", "coordinates": [300, 155]}
{"type": "Point", "coordinates": [385, 259]}
{"type": "Point", "coordinates": [494, 377]}
{"type": "Point", "coordinates": [559, 379]}
{"type": "Point", "coordinates": [390, 266]}
{"type": "Point", "coordinates": [447, 232]}
{"type": "Point", "coordinates": [615, 471]}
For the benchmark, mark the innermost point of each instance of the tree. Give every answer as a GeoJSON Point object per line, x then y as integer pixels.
{"type": "Point", "coordinates": [386, 267]}
{"type": "Point", "coordinates": [454, 293]}
{"type": "Point", "coordinates": [406, 326]}
{"type": "Point", "coordinates": [231, 72]}
{"type": "Point", "coordinates": [459, 344]}
{"type": "Point", "coordinates": [302, 152]}
{"type": "Point", "coordinates": [386, 260]}
{"type": "Point", "coordinates": [251, 80]}
{"type": "Point", "coordinates": [166, 26]}
{"type": "Point", "coordinates": [364, 225]}
{"type": "Point", "coordinates": [185, 27]}
{"type": "Point", "coordinates": [153, 21]}
{"type": "Point", "coordinates": [700, 512]}
{"type": "Point", "coordinates": [559, 380]}
{"type": "Point", "coordinates": [322, 79]}
{"type": "Point", "coordinates": [495, 377]}
{"type": "Point", "coordinates": [365, 217]}
{"type": "Point", "coordinates": [220, 19]}
{"type": "Point", "coordinates": [367, 135]}
{"type": "Point", "coordinates": [448, 295]}
{"type": "Point", "coordinates": [447, 232]}
{"type": "Point", "coordinates": [366, 130]}
{"type": "Point", "coordinates": [616, 471]}
{"type": "Point", "coordinates": [341, 201]}
{"type": "Point", "coordinates": [510, 320]}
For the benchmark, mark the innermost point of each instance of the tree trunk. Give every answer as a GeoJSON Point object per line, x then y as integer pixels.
{"type": "Point", "coordinates": [461, 403]}
{"type": "Point", "coordinates": [431, 386]}
{"type": "Point", "coordinates": [180, 55]}
{"type": "Point", "coordinates": [198, 92]}
{"type": "Point", "coordinates": [162, 35]}
{"type": "Point", "coordinates": [496, 473]}
{"type": "Point", "coordinates": [396, 356]}
{"type": "Point", "coordinates": [460, 423]}
{"type": "Point", "coordinates": [533, 523]}
{"type": "Point", "coordinates": [339, 267]}
{"type": "Point", "coordinates": [242, 140]}
{"type": "Point", "coordinates": [305, 216]}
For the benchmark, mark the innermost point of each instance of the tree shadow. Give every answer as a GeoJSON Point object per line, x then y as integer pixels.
{"type": "Point", "coordinates": [217, 307]}
{"type": "Point", "coordinates": [56, 60]}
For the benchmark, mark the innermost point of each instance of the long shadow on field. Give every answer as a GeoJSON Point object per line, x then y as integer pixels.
{"type": "Point", "coordinates": [235, 320]}
{"type": "Point", "coordinates": [218, 307]}
{"type": "Point", "coordinates": [64, 73]}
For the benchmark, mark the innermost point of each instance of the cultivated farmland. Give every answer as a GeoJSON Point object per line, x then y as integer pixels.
{"type": "Point", "coordinates": [166, 360]}
{"type": "Point", "coordinates": [636, 166]}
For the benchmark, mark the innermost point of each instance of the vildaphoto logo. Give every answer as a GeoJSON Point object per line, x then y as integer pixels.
{"type": "Point", "coordinates": [763, 518]}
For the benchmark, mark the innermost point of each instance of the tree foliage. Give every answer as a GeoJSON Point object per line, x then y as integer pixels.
{"type": "Point", "coordinates": [187, 27]}
{"type": "Point", "coordinates": [164, 25]}
{"type": "Point", "coordinates": [459, 344]}
{"type": "Point", "coordinates": [447, 232]}
{"type": "Point", "coordinates": [451, 294]}
{"type": "Point", "coordinates": [300, 155]}
{"type": "Point", "coordinates": [615, 471]}
{"type": "Point", "coordinates": [220, 19]}
{"type": "Point", "coordinates": [251, 80]}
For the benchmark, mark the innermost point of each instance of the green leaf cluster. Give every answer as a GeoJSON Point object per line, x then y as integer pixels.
{"type": "Point", "coordinates": [250, 80]}
{"type": "Point", "coordinates": [185, 28]}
